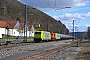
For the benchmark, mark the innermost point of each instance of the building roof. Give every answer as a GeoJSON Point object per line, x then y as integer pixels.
{"type": "Point", "coordinates": [12, 23]}
{"type": "Point", "coordinates": [22, 25]}
{"type": "Point", "coordinates": [3, 24]}
{"type": "Point", "coordinates": [9, 23]}
{"type": "Point", "coordinates": [29, 26]}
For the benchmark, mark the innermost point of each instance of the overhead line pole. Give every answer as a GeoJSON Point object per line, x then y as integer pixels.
{"type": "Point", "coordinates": [47, 25]}
{"type": "Point", "coordinates": [25, 24]}
{"type": "Point", "coordinates": [73, 30]}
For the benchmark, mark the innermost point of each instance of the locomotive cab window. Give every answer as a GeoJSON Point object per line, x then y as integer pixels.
{"type": "Point", "coordinates": [37, 32]}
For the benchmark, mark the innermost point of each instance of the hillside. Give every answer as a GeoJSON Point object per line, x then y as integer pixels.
{"type": "Point", "coordinates": [14, 10]}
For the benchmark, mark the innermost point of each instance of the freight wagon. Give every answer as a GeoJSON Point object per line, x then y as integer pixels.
{"type": "Point", "coordinates": [52, 36]}
{"type": "Point", "coordinates": [57, 36]}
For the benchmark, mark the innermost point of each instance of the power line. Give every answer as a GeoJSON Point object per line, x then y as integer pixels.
{"type": "Point", "coordinates": [48, 3]}
{"type": "Point", "coordinates": [51, 6]}
{"type": "Point", "coordinates": [58, 12]}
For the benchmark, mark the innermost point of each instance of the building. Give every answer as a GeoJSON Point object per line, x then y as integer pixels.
{"type": "Point", "coordinates": [15, 28]}
{"type": "Point", "coordinates": [30, 30]}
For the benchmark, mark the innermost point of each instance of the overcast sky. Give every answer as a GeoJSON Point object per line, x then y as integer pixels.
{"type": "Point", "coordinates": [79, 11]}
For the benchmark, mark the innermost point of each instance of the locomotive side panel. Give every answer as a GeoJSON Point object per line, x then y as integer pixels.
{"type": "Point", "coordinates": [47, 36]}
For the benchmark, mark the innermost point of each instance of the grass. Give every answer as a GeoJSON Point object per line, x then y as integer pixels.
{"type": "Point", "coordinates": [84, 53]}
{"type": "Point", "coordinates": [14, 40]}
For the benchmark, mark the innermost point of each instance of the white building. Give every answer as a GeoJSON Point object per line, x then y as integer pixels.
{"type": "Point", "coordinates": [15, 28]}
{"type": "Point", "coordinates": [29, 28]}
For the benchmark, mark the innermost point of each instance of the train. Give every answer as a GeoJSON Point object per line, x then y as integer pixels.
{"type": "Point", "coordinates": [49, 36]}
{"type": "Point", "coordinates": [39, 36]}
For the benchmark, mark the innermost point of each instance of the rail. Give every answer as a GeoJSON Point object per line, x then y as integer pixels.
{"type": "Point", "coordinates": [45, 53]}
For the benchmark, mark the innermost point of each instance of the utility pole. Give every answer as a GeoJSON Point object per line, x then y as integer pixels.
{"type": "Point", "coordinates": [76, 30]}
{"type": "Point", "coordinates": [89, 34]}
{"type": "Point", "coordinates": [25, 24]}
{"type": "Point", "coordinates": [73, 30]}
{"type": "Point", "coordinates": [47, 25]}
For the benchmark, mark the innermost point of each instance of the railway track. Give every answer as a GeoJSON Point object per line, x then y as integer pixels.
{"type": "Point", "coordinates": [19, 44]}
{"type": "Point", "coordinates": [45, 53]}
{"type": "Point", "coordinates": [14, 45]}
{"type": "Point", "coordinates": [11, 49]}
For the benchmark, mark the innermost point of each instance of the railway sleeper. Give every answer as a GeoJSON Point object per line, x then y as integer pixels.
{"type": "Point", "coordinates": [57, 49]}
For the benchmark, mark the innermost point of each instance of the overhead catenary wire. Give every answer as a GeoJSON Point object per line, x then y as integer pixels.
{"type": "Point", "coordinates": [47, 2]}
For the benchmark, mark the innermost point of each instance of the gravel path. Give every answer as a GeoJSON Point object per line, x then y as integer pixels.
{"type": "Point", "coordinates": [10, 53]}
{"type": "Point", "coordinates": [68, 54]}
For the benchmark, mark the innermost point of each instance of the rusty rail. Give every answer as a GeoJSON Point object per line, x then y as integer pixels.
{"type": "Point", "coordinates": [54, 50]}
